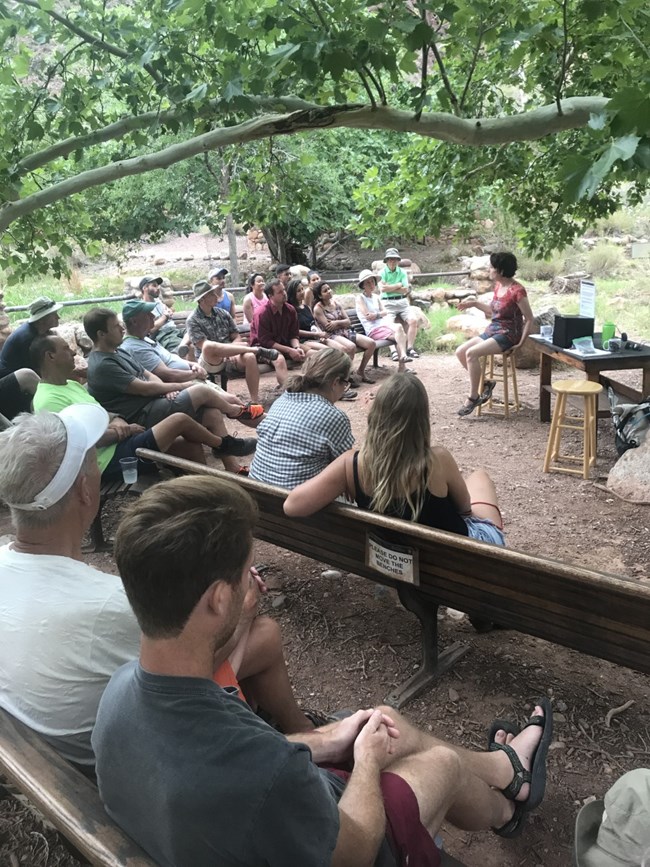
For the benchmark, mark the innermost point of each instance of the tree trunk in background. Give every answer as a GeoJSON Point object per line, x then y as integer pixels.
{"type": "Point", "coordinates": [230, 226]}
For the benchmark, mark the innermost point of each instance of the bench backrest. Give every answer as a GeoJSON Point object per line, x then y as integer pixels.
{"type": "Point", "coordinates": [65, 797]}
{"type": "Point", "coordinates": [598, 614]}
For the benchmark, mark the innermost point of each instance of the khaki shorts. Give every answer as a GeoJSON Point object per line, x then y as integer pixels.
{"type": "Point", "coordinates": [228, 364]}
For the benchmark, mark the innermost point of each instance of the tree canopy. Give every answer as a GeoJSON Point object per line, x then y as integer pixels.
{"type": "Point", "coordinates": [95, 91]}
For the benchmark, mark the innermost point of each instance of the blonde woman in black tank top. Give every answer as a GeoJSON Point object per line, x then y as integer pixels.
{"type": "Point", "coordinates": [398, 472]}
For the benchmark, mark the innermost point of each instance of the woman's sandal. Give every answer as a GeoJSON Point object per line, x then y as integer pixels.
{"type": "Point", "coordinates": [488, 388]}
{"type": "Point", "coordinates": [394, 354]}
{"type": "Point", "coordinates": [470, 406]}
{"type": "Point", "coordinates": [367, 379]}
{"type": "Point", "coordinates": [412, 353]}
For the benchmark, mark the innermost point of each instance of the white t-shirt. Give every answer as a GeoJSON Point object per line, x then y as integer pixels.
{"type": "Point", "coordinates": [64, 629]}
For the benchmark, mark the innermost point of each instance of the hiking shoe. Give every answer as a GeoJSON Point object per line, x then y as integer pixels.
{"type": "Point", "coordinates": [264, 354]}
{"type": "Point", "coordinates": [238, 447]}
{"type": "Point", "coordinates": [251, 411]}
{"type": "Point", "coordinates": [348, 394]}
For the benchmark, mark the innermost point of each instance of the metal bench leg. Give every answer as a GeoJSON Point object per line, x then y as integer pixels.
{"type": "Point", "coordinates": [433, 663]}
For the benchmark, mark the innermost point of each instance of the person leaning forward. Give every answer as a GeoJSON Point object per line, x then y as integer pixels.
{"type": "Point", "coordinates": [184, 555]}
{"type": "Point", "coordinates": [123, 387]}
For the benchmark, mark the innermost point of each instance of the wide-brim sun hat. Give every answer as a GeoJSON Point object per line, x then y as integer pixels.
{"type": "Point", "coordinates": [392, 253]}
{"type": "Point", "coordinates": [200, 289]}
{"type": "Point", "coordinates": [85, 424]}
{"type": "Point", "coordinates": [43, 307]}
{"type": "Point", "coordinates": [615, 831]}
{"type": "Point", "coordinates": [364, 275]}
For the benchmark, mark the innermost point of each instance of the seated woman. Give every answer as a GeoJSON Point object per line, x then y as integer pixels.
{"type": "Point", "coordinates": [255, 299]}
{"type": "Point", "coordinates": [376, 322]}
{"type": "Point", "coordinates": [330, 317]}
{"type": "Point", "coordinates": [511, 322]}
{"type": "Point", "coordinates": [398, 472]}
{"type": "Point", "coordinates": [303, 431]}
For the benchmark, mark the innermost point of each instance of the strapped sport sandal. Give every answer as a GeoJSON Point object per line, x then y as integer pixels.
{"type": "Point", "coordinates": [470, 406]}
{"type": "Point", "coordinates": [264, 354]}
{"type": "Point", "coordinates": [236, 447]}
{"type": "Point", "coordinates": [394, 354]}
{"type": "Point", "coordinates": [251, 411]}
{"type": "Point", "coordinates": [488, 388]}
{"type": "Point", "coordinates": [412, 353]}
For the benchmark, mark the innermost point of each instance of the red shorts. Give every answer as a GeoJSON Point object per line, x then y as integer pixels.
{"type": "Point", "coordinates": [410, 841]}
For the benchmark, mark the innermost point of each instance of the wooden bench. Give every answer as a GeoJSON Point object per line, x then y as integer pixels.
{"type": "Point", "coordinates": [67, 799]}
{"type": "Point", "coordinates": [601, 615]}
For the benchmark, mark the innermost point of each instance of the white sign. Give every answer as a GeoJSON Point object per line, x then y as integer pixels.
{"type": "Point", "coordinates": [588, 298]}
{"type": "Point", "coordinates": [396, 561]}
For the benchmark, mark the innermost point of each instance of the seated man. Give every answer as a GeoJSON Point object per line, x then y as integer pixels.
{"type": "Point", "coordinates": [177, 434]}
{"type": "Point", "coordinates": [138, 317]}
{"type": "Point", "coordinates": [164, 331]}
{"type": "Point", "coordinates": [184, 554]}
{"type": "Point", "coordinates": [125, 388]}
{"type": "Point", "coordinates": [43, 316]}
{"type": "Point", "coordinates": [276, 325]}
{"type": "Point", "coordinates": [67, 626]}
{"type": "Point", "coordinates": [223, 300]}
{"type": "Point", "coordinates": [214, 334]}
{"type": "Point", "coordinates": [394, 286]}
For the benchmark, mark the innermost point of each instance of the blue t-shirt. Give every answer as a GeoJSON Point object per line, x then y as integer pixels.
{"type": "Point", "coordinates": [15, 351]}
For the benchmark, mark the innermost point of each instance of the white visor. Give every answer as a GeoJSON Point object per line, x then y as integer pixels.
{"type": "Point", "coordinates": [84, 424]}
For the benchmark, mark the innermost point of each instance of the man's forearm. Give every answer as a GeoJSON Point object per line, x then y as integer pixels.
{"type": "Point", "coordinates": [362, 819]}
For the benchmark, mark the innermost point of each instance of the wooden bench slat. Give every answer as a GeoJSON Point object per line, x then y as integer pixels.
{"type": "Point", "coordinates": [65, 797]}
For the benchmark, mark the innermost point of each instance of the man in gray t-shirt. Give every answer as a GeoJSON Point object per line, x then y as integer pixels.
{"type": "Point", "coordinates": [217, 785]}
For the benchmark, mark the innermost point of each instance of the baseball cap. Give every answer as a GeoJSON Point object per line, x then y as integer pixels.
{"type": "Point", "coordinates": [363, 276]}
{"type": "Point", "coordinates": [201, 288]}
{"type": "Point", "coordinates": [392, 253]}
{"type": "Point", "coordinates": [615, 831]}
{"type": "Point", "coordinates": [149, 279]}
{"type": "Point", "coordinates": [41, 307]}
{"type": "Point", "coordinates": [84, 424]}
{"type": "Point", "coordinates": [132, 308]}
{"type": "Point", "coordinates": [217, 272]}
{"type": "Point", "coordinates": [281, 268]}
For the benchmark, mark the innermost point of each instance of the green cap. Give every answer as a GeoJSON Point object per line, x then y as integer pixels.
{"type": "Point", "coordinates": [132, 308]}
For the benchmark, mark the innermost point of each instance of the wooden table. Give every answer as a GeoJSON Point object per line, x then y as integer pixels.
{"type": "Point", "coordinates": [593, 367]}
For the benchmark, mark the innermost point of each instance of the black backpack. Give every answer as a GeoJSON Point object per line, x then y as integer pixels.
{"type": "Point", "coordinates": [630, 421]}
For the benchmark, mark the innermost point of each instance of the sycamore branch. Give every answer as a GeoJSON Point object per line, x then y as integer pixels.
{"type": "Point", "coordinates": [528, 126]}
{"type": "Point", "coordinates": [91, 39]}
{"type": "Point", "coordinates": [149, 120]}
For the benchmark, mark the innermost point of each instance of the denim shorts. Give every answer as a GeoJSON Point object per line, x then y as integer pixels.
{"type": "Point", "coordinates": [484, 530]}
{"type": "Point", "coordinates": [505, 343]}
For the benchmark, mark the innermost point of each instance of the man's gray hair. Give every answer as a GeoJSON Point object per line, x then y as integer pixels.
{"type": "Point", "coordinates": [30, 454]}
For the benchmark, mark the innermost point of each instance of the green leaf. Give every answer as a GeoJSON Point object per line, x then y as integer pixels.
{"type": "Point", "coordinates": [632, 109]}
{"type": "Point", "coordinates": [20, 65]}
{"type": "Point", "coordinates": [197, 93]}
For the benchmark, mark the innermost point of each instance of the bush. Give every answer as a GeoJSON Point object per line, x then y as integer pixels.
{"type": "Point", "coordinates": [605, 260]}
{"type": "Point", "coordinates": [438, 318]}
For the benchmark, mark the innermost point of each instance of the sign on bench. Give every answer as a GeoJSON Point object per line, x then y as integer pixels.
{"type": "Point", "coordinates": [395, 561]}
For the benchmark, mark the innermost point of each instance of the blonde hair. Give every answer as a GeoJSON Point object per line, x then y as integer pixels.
{"type": "Point", "coordinates": [395, 460]}
{"type": "Point", "coordinates": [320, 370]}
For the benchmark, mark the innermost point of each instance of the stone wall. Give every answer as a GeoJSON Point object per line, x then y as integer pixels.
{"type": "Point", "coordinates": [257, 241]}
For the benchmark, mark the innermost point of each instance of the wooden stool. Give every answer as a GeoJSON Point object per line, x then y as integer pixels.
{"type": "Point", "coordinates": [488, 371]}
{"type": "Point", "coordinates": [587, 424]}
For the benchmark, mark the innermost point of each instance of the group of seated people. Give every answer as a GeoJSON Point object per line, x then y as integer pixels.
{"type": "Point", "coordinates": [152, 683]}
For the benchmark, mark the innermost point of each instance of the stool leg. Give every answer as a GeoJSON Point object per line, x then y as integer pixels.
{"type": "Point", "coordinates": [553, 434]}
{"type": "Point", "coordinates": [506, 396]}
{"type": "Point", "coordinates": [594, 428]}
{"type": "Point", "coordinates": [586, 437]}
{"type": "Point", "coordinates": [513, 370]}
{"type": "Point", "coordinates": [481, 382]}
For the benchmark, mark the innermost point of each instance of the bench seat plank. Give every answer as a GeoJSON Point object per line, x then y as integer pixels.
{"type": "Point", "coordinates": [65, 797]}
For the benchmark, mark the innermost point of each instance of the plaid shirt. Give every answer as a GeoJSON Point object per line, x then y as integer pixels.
{"type": "Point", "coordinates": [300, 436]}
{"type": "Point", "coordinates": [219, 326]}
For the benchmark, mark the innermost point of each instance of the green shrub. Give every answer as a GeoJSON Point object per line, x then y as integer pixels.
{"type": "Point", "coordinates": [438, 326]}
{"type": "Point", "coordinates": [605, 260]}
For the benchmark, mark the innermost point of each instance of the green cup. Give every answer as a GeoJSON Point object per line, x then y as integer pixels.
{"type": "Point", "coordinates": [609, 330]}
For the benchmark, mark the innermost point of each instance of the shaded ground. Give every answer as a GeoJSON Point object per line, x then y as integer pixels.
{"type": "Point", "coordinates": [347, 647]}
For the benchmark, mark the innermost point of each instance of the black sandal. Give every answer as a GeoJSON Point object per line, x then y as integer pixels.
{"type": "Point", "coordinates": [470, 406]}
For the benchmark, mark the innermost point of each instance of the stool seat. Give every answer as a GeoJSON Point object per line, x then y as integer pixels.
{"type": "Point", "coordinates": [489, 372]}
{"type": "Point", "coordinates": [589, 392]}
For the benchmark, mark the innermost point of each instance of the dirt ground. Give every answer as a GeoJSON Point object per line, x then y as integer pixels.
{"type": "Point", "coordinates": [346, 646]}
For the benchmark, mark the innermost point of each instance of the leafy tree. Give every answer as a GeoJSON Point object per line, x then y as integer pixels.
{"type": "Point", "coordinates": [216, 73]}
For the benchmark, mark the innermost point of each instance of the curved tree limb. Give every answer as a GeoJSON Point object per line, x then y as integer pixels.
{"type": "Point", "coordinates": [446, 127]}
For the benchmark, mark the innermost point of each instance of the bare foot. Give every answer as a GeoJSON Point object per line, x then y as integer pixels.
{"type": "Point", "coordinates": [524, 744]}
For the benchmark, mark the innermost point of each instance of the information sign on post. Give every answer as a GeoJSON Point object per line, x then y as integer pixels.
{"type": "Point", "coordinates": [588, 298]}
{"type": "Point", "coordinates": [395, 561]}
